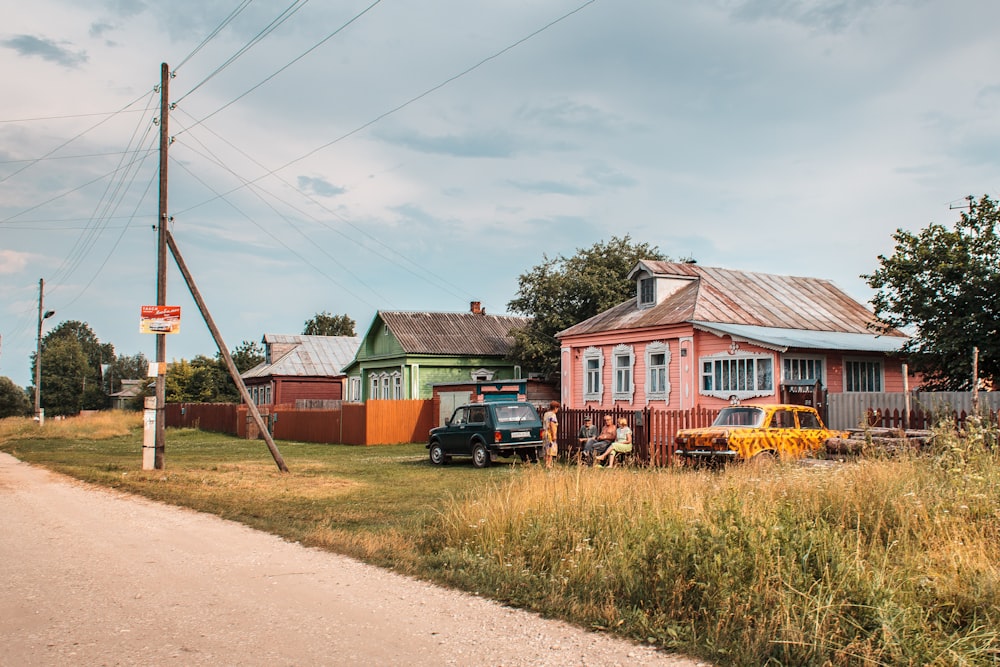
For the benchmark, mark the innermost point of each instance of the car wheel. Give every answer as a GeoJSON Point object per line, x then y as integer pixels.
{"type": "Point", "coordinates": [437, 454]}
{"type": "Point", "coordinates": [480, 455]}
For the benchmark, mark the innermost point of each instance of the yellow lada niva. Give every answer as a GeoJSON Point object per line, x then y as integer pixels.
{"type": "Point", "coordinates": [755, 432]}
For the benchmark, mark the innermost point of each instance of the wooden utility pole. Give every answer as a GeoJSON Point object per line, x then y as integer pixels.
{"type": "Point", "coordinates": [161, 272]}
{"type": "Point", "coordinates": [224, 353]}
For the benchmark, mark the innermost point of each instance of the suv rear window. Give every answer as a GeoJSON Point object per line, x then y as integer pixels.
{"type": "Point", "coordinates": [515, 413]}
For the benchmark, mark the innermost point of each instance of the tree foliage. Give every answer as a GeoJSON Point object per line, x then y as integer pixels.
{"type": "Point", "coordinates": [944, 283]}
{"type": "Point", "coordinates": [64, 377]}
{"type": "Point", "coordinates": [564, 291]}
{"type": "Point", "coordinates": [206, 379]}
{"type": "Point", "coordinates": [14, 401]}
{"type": "Point", "coordinates": [326, 324]}
{"type": "Point", "coordinates": [246, 355]}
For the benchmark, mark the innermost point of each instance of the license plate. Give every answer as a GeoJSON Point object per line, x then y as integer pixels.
{"type": "Point", "coordinates": [520, 434]}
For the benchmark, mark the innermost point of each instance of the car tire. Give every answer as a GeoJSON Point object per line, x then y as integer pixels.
{"type": "Point", "coordinates": [437, 455]}
{"type": "Point", "coordinates": [480, 455]}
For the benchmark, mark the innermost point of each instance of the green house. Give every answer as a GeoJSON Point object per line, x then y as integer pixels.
{"type": "Point", "coordinates": [404, 354]}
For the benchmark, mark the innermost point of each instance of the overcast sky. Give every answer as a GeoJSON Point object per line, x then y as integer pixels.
{"type": "Point", "coordinates": [421, 154]}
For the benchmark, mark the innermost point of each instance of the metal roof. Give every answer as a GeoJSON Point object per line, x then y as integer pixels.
{"type": "Point", "coordinates": [311, 356]}
{"type": "Point", "coordinates": [453, 333]}
{"type": "Point", "coordinates": [784, 339]}
{"type": "Point", "coordinates": [725, 296]}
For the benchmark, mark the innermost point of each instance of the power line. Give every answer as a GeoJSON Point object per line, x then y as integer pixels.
{"type": "Point", "coordinates": [69, 141]}
{"type": "Point", "coordinates": [226, 21]}
{"type": "Point", "coordinates": [271, 27]}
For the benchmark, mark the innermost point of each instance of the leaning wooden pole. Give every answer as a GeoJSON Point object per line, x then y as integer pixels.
{"type": "Point", "coordinates": [224, 352]}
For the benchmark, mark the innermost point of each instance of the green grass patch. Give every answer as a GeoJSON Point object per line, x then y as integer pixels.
{"type": "Point", "coordinates": [878, 562]}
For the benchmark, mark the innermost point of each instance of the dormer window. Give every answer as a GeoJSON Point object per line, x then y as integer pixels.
{"type": "Point", "coordinates": [647, 292]}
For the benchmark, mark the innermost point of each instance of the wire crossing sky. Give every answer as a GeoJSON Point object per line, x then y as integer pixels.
{"type": "Point", "coordinates": [418, 156]}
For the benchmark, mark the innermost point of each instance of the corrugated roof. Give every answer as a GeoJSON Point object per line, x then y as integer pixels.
{"type": "Point", "coordinates": [311, 356]}
{"type": "Point", "coordinates": [726, 296]}
{"type": "Point", "coordinates": [784, 339]}
{"type": "Point", "coordinates": [453, 333]}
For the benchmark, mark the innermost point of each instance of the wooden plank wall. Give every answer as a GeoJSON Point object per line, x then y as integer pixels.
{"type": "Point", "coordinates": [397, 422]}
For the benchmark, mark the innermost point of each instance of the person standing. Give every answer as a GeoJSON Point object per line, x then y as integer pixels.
{"type": "Point", "coordinates": [550, 433]}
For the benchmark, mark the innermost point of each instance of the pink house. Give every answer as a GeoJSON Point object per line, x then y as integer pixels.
{"type": "Point", "coordinates": [697, 336]}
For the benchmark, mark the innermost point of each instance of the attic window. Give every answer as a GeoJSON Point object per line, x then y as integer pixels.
{"type": "Point", "coordinates": [647, 293]}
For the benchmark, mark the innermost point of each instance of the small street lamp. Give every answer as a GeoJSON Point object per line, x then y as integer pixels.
{"type": "Point", "coordinates": [42, 316]}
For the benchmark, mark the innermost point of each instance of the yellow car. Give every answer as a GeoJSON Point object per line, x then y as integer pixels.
{"type": "Point", "coordinates": [753, 432]}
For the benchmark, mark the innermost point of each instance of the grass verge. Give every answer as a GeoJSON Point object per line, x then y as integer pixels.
{"type": "Point", "coordinates": [878, 562]}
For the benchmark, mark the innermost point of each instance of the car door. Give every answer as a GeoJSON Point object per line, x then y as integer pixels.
{"type": "Point", "coordinates": [453, 437]}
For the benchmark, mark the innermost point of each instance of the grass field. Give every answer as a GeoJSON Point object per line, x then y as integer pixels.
{"type": "Point", "coordinates": [875, 562]}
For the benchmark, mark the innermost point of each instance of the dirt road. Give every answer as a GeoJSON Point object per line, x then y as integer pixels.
{"type": "Point", "coordinates": [93, 577]}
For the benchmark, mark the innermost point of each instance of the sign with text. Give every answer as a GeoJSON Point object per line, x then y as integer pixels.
{"type": "Point", "coordinates": [160, 319]}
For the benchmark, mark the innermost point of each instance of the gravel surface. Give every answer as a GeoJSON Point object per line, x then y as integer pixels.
{"type": "Point", "coordinates": [89, 576]}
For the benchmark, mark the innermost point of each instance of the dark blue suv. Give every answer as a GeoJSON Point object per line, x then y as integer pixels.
{"type": "Point", "coordinates": [486, 431]}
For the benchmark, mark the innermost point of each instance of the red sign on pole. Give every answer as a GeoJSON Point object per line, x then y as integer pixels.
{"type": "Point", "coordinates": [160, 319]}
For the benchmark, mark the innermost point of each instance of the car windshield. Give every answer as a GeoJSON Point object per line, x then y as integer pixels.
{"type": "Point", "coordinates": [740, 416]}
{"type": "Point", "coordinates": [515, 413]}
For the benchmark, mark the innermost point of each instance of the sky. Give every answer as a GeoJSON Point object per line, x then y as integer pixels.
{"type": "Point", "coordinates": [414, 155]}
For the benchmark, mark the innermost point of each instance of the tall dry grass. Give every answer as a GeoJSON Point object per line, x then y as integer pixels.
{"type": "Point", "coordinates": [890, 562]}
{"type": "Point", "coordinates": [89, 426]}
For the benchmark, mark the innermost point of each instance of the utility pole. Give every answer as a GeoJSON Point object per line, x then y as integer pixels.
{"type": "Point", "coordinates": [42, 315]}
{"type": "Point", "coordinates": [161, 272]}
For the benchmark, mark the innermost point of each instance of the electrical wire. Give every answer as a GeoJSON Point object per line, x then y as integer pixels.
{"type": "Point", "coordinates": [271, 27]}
{"type": "Point", "coordinates": [286, 65]}
{"type": "Point", "coordinates": [69, 141]}
{"type": "Point", "coordinates": [226, 21]}
{"type": "Point", "coordinates": [418, 270]}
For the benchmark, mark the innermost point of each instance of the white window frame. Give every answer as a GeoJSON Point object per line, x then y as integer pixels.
{"type": "Point", "coordinates": [354, 389]}
{"type": "Point", "coordinates": [879, 376]}
{"type": "Point", "coordinates": [659, 393]}
{"type": "Point", "coordinates": [374, 386]}
{"type": "Point", "coordinates": [397, 386]}
{"type": "Point", "coordinates": [800, 360]}
{"type": "Point", "coordinates": [623, 388]}
{"type": "Point", "coordinates": [723, 362]}
{"type": "Point", "coordinates": [267, 394]}
{"type": "Point", "coordinates": [593, 391]}
{"type": "Point", "coordinates": [385, 385]}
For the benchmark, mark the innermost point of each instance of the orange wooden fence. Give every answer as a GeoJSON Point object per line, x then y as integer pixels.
{"type": "Point", "coordinates": [371, 423]}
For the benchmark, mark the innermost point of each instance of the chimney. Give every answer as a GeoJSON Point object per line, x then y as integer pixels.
{"type": "Point", "coordinates": [476, 308]}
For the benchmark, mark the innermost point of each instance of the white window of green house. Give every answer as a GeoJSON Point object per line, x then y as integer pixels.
{"type": "Point", "coordinates": [385, 386]}
{"type": "Point", "coordinates": [354, 389]}
{"type": "Point", "coordinates": [802, 368]}
{"type": "Point", "coordinates": [397, 386]}
{"type": "Point", "coordinates": [374, 390]}
{"type": "Point", "coordinates": [738, 376]}
{"type": "Point", "coordinates": [862, 375]}
{"type": "Point", "coordinates": [624, 364]}
{"type": "Point", "coordinates": [657, 376]}
{"type": "Point", "coordinates": [593, 369]}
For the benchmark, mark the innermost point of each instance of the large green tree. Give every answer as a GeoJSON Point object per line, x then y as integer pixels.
{"type": "Point", "coordinates": [64, 376]}
{"type": "Point", "coordinates": [14, 401]}
{"type": "Point", "coordinates": [246, 355]}
{"type": "Point", "coordinates": [563, 291]}
{"type": "Point", "coordinates": [326, 324]}
{"type": "Point", "coordinates": [206, 379]}
{"type": "Point", "coordinates": [944, 282]}
{"type": "Point", "coordinates": [92, 391]}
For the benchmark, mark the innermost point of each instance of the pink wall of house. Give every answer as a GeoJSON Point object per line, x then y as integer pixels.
{"type": "Point", "coordinates": [684, 370]}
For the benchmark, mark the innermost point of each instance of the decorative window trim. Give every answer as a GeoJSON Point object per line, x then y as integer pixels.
{"type": "Point", "coordinates": [373, 386]}
{"type": "Point", "coordinates": [482, 375]}
{"type": "Point", "coordinates": [624, 393]}
{"type": "Point", "coordinates": [865, 360]}
{"type": "Point", "coordinates": [734, 355]}
{"type": "Point", "coordinates": [820, 359]}
{"type": "Point", "coordinates": [657, 347]}
{"type": "Point", "coordinates": [593, 353]}
{"type": "Point", "coordinates": [354, 389]}
{"type": "Point", "coordinates": [397, 386]}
